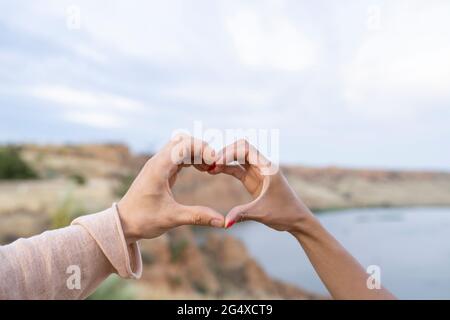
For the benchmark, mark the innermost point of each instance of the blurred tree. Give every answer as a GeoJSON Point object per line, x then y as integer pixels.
{"type": "Point", "coordinates": [67, 211]}
{"type": "Point", "coordinates": [124, 184]}
{"type": "Point", "coordinates": [13, 167]}
{"type": "Point", "coordinates": [114, 288]}
{"type": "Point", "coordinates": [78, 179]}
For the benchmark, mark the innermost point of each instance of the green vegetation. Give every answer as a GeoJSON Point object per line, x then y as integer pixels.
{"type": "Point", "coordinates": [148, 258]}
{"type": "Point", "coordinates": [78, 179]}
{"type": "Point", "coordinates": [175, 280]}
{"type": "Point", "coordinates": [200, 287]}
{"type": "Point", "coordinates": [13, 167]}
{"type": "Point", "coordinates": [177, 248]}
{"type": "Point", "coordinates": [68, 210]}
{"type": "Point", "coordinates": [114, 288]}
{"type": "Point", "coordinates": [125, 183]}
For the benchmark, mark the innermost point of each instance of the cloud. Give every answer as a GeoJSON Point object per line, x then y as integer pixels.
{"type": "Point", "coordinates": [269, 41]}
{"type": "Point", "coordinates": [95, 119]}
{"type": "Point", "coordinates": [336, 90]}
{"type": "Point", "coordinates": [90, 53]}
{"type": "Point", "coordinates": [95, 109]}
{"type": "Point", "coordinates": [74, 98]}
{"type": "Point", "coordinates": [225, 96]}
{"type": "Point", "coordinates": [403, 68]}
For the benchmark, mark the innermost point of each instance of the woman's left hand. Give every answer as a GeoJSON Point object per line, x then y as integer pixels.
{"type": "Point", "coordinates": [148, 209]}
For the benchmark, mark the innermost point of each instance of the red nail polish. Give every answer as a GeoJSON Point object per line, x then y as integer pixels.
{"type": "Point", "coordinates": [212, 167]}
{"type": "Point", "coordinates": [230, 224]}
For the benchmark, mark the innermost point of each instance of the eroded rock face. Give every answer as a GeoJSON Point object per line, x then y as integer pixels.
{"type": "Point", "coordinates": [193, 262]}
{"type": "Point", "coordinates": [90, 160]}
{"type": "Point", "coordinates": [175, 265]}
{"type": "Point", "coordinates": [229, 253]}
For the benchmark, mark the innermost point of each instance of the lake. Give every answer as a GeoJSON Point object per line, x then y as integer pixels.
{"type": "Point", "coordinates": [411, 246]}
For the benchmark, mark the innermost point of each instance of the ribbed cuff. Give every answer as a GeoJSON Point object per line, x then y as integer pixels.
{"type": "Point", "coordinates": [106, 229]}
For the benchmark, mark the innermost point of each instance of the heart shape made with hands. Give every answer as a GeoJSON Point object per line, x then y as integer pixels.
{"type": "Point", "coordinates": [221, 192]}
{"type": "Point", "coordinates": [241, 161]}
{"type": "Point", "coordinates": [151, 191]}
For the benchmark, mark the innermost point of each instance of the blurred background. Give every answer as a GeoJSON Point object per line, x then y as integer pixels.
{"type": "Point", "coordinates": [359, 92]}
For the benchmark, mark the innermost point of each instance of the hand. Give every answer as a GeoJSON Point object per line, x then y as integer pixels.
{"type": "Point", "coordinates": [275, 203]}
{"type": "Point", "coordinates": [148, 209]}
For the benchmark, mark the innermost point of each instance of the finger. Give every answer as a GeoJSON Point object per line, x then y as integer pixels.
{"type": "Point", "coordinates": [202, 167]}
{"type": "Point", "coordinates": [200, 215]}
{"type": "Point", "coordinates": [242, 152]}
{"type": "Point", "coordinates": [200, 152]}
{"type": "Point", "coordinates": [237, 151]}
{"type": "Point", "coordinates": [249, 169]}
{"type": "Point", "coordinates": [236, 171]}
{"type": "Point", "coordinates": [209, 155]}
{"type": "Point", "coordinates": [250, 210]}
{"type": "Point", "coordinates": [186, 150]}
{"type": "Point", "coordinates": [239, 214]}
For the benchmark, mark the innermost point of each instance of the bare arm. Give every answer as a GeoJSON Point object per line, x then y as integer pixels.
{"type": "Point", "coordinates": [276, 205]}
{"type": "Point", "coordinates": [343, 276]}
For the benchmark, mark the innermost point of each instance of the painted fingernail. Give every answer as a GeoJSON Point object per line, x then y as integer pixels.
{"type": "Point", "coordinates": [230, 223]}
{"type": "Point", "coordinates": [217, 223]}
{"type": "Point", "coordinates": [212, 167]}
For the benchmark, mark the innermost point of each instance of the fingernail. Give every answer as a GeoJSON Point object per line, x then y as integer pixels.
{"type": "Point", "coordinates": [230, 223]}
{"type": "Point", "coordinates": [212, 167]}
{"type": "Point", "coordinates": [217, 223]}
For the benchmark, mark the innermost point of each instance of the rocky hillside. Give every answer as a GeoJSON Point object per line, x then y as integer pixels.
{"type": "Point", "coordinates": [80, 179]}
{"type": "Point", "coordinates": [76, 180]}
{"type": "Point", "coordinates": [176, 266]}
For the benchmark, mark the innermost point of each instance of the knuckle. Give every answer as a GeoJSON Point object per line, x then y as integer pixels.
{"type": "Point", "coordinates": [196, 219]}
{"type": "Point", "coordinates": [179, 138]}
{"type": "Point", "coordinates": [243, 142]}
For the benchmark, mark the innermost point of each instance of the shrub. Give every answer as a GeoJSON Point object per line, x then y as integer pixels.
{"type": "Point", "coordinates": [114, 288]}
{"type": "Point", "coordinates": [200, 287]}
{"type": "Point", "coordinates": [13, 167]}
{"type": "Point", "coordinates": [124, 185]}
{"type": "Point", "coordinates": [78, 179]}
{"type": "Point", "coordinates": [177, 248]}
{"type": "Point", "coordinates": [67, 211]}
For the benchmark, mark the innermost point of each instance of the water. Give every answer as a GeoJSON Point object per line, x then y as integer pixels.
{"type": "Point", "coordinates": [411, 246]}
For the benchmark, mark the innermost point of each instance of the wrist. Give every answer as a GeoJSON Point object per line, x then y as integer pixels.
{"type": "Point", "coordinates": [305, 224]}
{"type": "Point", "coordinates": [129, 229]}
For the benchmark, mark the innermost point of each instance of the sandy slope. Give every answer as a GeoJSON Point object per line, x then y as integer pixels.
{"type": "Point", "coordinates": [223, 268]}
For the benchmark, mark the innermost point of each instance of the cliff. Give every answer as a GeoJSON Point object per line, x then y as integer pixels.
{"type": "Point", "coordinates": [79, 179]}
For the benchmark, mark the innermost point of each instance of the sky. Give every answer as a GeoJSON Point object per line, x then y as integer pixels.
{"type": "Point", "coordinates": [354, 83]}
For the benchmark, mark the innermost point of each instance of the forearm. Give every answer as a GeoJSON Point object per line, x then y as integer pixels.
{"type": "Point", "coordinates": [67, 263]}
{"type": "Point", "coordinates": [343, 276]}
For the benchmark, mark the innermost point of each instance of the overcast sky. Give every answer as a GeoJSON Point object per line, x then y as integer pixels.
{"type": "Point", "coordinates": [348, 83]}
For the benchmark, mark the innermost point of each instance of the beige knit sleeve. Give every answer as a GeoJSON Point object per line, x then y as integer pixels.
{"type": "Point", "coordinates": [68, 263]}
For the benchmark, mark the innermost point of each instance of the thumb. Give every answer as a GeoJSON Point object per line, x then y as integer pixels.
{"type": "Point", "coordinates": [250, 210]}
{"type": "Point", "coordinates": [200, 215]}
{"type": "Point", "coordinates": [238, 214]}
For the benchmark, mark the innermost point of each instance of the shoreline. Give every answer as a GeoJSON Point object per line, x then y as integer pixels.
{"type": "Point", "coordinates": [335, 209]}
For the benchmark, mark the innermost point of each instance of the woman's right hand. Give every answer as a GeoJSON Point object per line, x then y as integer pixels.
{"type": "Point", "coordinates": [275, 204]}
